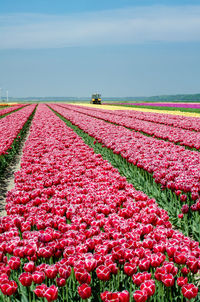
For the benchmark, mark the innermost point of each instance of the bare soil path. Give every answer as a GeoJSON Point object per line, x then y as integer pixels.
{"type": "Point", "coordinates": [7, 177]}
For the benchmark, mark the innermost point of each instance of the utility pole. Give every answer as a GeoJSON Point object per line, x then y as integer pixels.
{"type": "Point", "coordinates": [7, 95]}
{"type": "Point", "coordinates": [0, 95]}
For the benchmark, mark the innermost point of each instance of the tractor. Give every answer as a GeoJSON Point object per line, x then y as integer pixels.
{"type": "Point", "coordinates": [96, 99]}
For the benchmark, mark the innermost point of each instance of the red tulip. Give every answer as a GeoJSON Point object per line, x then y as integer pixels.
{"type": "Point", "coordinates": [144, 264]}
{"type": "Point", "coordinates": [185, 271]}
{"type": "Point", "coordinates": [29, 267]}
{"type": "Point", "coordinates": [3, 278]}
{"type": "Point", "coordinates": [51, 293]}
{"type": "Point", "coordinates": [140, 296]}
{"type": "Point", "coordinates": [103, 295]}
{"type": "Point", "coordinates": [26, 279]}
{"type": "Point", "coordinates": [189, 291]}
{"type": "Point", "coordinates": [38, 277]}
{"type": "Point", "coordinates": [192, 263]}
{"type": "Point", "coordinates": [64, 271]}
{"type": "Point", "coordinates": [84, 291]}
{"type": "Point", "coordinates": [168, 280]}
{"type": "Point", "coordinates": [9, 288]}
{"type": "Point", "coordinates": [149, 287]}
{"type": "Point", "coordinates": [60, 282]}
{"type": "Point", "coordinates": [103, 273]}
{"type": "Point", "coordinates": [124, 296]}
{"type": "Point", "coordinates": [40, 290]}
{"type": "Point", "coordinates": [51, 272]}
{"type": "Point", "coordinates": [82, 276]}
{"type": "Point", "coordinates": [180, 258]}
{"type": "Point", "coordinates": [14, 263]}
{"type": "Point", "coordinates": [182, 281]}
{"type": "Point", "coordinates": [185, 209]}
{"type": "Point", "coordinates": [130, 269]}
{"type": "Point", "coordinates": [139, 278]}
{"type": "Point", "coordinates": [111, 297]}
{"type": "Point", "coordinates": [90, 264]}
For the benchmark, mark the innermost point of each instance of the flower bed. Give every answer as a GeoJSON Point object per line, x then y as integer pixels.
{"type": "Point", "coordinates": [172, 166]}
{"type": "Point", "coordinates": [10, 109]}
{"type": "Point", "coordinates": [76, 229]}
{"type": "Point", "coordinates": [11, 125]}
{"type": "Point", "coordinates": [179, 121]}
{"type": "Point", "coordinates": [182, 137]}
{"type": "Point", "coordinates": [11, 128]}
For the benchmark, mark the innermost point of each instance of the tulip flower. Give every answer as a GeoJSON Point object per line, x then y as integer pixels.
{"type": "Point", "coordinates": [189, 291]}
{"type": "Point", "coordinates": [40, 290]}
{"type": "Point", "coordinates": [51, 293]}
{"type": "Point", "coordinates": [26, 279]}
{"type": "Point", "coordinates": [14, 263]}
{"type": "Point", "coordinates": [103, 273]}
{"type": "Point", "coordinates": [64, 271]}
{"type": "Point", "coordinates": [181, 281]}
{"type": "Point", "coordinates": [84, 291]}
{"type": "Point", "coordinates": [130, 269]}
{"type": "Point", "coordinates": [140, 296]}
{"type": "Point", "coordinates": [60, 282]}
{"type": "Point", "coordinates": [168, 280]}
{"type": "Point", "coordinates": [38, 277]}
{"type": "Point", "coordinates": [124, 296]}
{"type": "Point", "coordinates": [51, 272]}
{"type": "Point", "coordinates": [9, 288]}
{"type": "Point", "coordinates": [149, 287]}
{"type": "Point", "coordinates": [29, 267]}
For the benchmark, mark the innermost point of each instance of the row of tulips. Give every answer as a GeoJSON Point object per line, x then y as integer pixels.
{"type": "Point", "coordinates": [144, 181]}
{"type": "Point", "coordinates": [178, 121]}
{"type": "Point", "coordinates": [75, 229]}
{"type": "Point", "coordinates": [173, 167]}
{"type": "Point", "coordinates": [16, 133]}
{"type": "Point", "coordinates": [8, 110]}
{"type": "Point", "coordinates": [179, 136]}
{"type": "Point", "coordinates": [11, 125]}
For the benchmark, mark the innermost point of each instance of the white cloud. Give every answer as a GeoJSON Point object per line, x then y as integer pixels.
{"type": "Point", "coordinates": [113, 27]}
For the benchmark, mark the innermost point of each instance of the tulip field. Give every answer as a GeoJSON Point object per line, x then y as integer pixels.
{"type": "Point", "coordinates": [105, 206]}
{"type": "Point", "coordinates": [7, 110]}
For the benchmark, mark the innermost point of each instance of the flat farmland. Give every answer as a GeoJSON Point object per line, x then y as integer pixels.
{"type": "Point", "coordinates": [104, 204]}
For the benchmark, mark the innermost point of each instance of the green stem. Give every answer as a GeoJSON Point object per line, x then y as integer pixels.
{"type": "Point", "coordinates": [118, 275]}
{"type": "Point", "coordinates": [130, 289]}
{"type": "Point", "coordinates": [67, 297]}
{"type": "Point", "coordinates": [29, 294]}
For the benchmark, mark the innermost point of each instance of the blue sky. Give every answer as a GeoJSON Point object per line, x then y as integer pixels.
{"type": "Point", "coordinates": [119, 48]}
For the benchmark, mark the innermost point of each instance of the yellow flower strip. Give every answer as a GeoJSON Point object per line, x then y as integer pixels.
{"type": "Point", "coordinates": [109, 107]}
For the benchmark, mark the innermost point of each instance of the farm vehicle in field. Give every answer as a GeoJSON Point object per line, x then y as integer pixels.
{"type": "Point", "coordinates": [96, 99]}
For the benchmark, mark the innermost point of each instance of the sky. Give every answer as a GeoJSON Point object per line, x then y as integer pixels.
{"type": "Point", "coordinates": [119, 48]}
